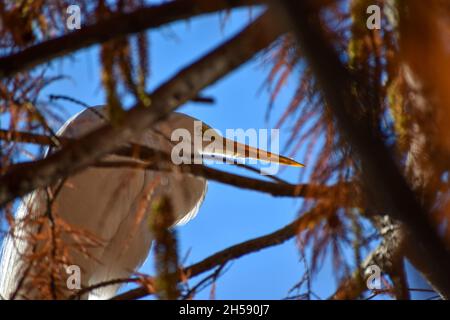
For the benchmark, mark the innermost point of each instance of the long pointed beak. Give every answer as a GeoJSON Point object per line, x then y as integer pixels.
{"type": "Point", "coordinates": [239, 150]}
{"type": "Point", "coordinates": [233, 149]}
{"type": "Point", "coordinates": [247, 152]}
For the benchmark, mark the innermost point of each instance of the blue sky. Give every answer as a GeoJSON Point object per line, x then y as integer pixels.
{"type": "Point", "coordinates": [228, 215]}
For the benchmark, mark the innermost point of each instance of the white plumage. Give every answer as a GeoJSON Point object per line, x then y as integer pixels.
{"type": "Point", "coordinates": [105, 201]}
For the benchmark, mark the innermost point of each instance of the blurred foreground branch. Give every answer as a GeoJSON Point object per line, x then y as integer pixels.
{"type": "Point", "coordinates": [154, 160]}
{"type": "Point", "coordinates": [385, 183]}
{"type": "Point", "coordinates": [182, 87]}
{"type": "Point", "coordinates": [114, 27]}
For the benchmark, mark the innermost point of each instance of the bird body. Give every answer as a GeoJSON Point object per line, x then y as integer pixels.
{"type": "Point", "coordinates": [106, 202]}
{"type": "Point", "coordinates": [109, 203]}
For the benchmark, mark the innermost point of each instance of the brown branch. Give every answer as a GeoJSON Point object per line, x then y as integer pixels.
{"type": "Point", "coordinates": [155, 160]}
{"type": "Point", "coordinates": [397, 244]}
{"type": "Point", "coordinates": [210, 279]}
{"type": "Point", "coordinates": [114, 27]}
{"type": "Point", "coordinates": [26, 137]}
{"type": "Point", "coordinates": [165, 249]}
{"type": "Point", "coordinates": [309, 191]}
{"type": "Point", "coordinates": [234, 252]}
{"type": "Point", "coordinates": [185, 85]}
{"type": "Point", "coordinates": [386, 256]}
{"type": "Point", "coordinates": [385, 184]}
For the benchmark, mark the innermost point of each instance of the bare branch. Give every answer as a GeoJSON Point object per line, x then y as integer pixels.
{"type": "Point", "coordinates": [115, 27]}
{"type": "Point", "coordinates": [310, 191]}
{"type": "Point", "coordinates": [163, 163]}
{"type": "Point", "coordinates": [183, 86]}
{"type": "Point", "coordinates": [234, 252]}
{"type": "Point", "coordinates": [26, 137]}
{"type": "Point", "coordinates": [386, 256]}
{"type": "Point", "coordinates": [387, 187]}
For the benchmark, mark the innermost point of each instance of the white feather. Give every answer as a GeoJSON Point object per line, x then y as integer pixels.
{"type": "Point", "coordinates": [105, 202]}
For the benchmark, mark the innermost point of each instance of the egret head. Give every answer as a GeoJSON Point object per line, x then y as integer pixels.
{"type": "Point", "coordinates": [188, 139]}
{"type": "Point", "coordinates": [193, 138]}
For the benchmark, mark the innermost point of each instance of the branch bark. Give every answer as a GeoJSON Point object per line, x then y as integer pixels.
{"type": "Point", "coordinates": [156, 161]}
{"type": "Point", "coordinates": [387, 256]}
{"type": "Point", "coordinates": [385, 184]}
{"type": "Point", "coordinates": [185, 85]}
{"type": "Point", "coordinates": [234, 252]}
{"type": "Point", "coordinates": [115, 27]}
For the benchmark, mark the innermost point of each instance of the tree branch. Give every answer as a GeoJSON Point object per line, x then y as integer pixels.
{"type": "Point", "coordinates": [27, 137]}
{"type": "Point", "coordinates": [234, 252]}
{"type": "Point", "coordinates": [304, 190]}
{"type": "Point", "coordinates": [185, 85]}
{"type": "Point", "coordinates": [114, 27]}
{"type": "Point", "coordinates": [154, 160]}
{"type": "Point", "coordinates": [386, 185]}
{"type": "Point", "coordinates": [386, 256]}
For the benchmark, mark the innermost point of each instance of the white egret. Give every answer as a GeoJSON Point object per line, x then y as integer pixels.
{"type": "Point", "coordinates": [105, 201]}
